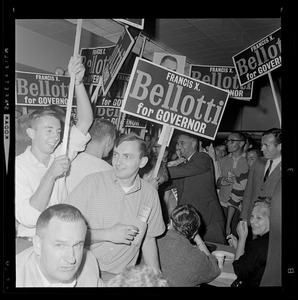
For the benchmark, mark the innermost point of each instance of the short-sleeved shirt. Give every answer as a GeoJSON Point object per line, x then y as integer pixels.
{"type": "Point", "coordinates": [29, 173]}
{"type": "Point", "coordinates": [104, 203]}
{"type": "Point", "coordinates": [232, 195]}
{"type": "Point", "coordinates": [83, 165]}
{"type": "Point", "coordinates": [28, 273]}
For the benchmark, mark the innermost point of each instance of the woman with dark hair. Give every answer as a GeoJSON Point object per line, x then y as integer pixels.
{"type": "Point", "coordinates": [185, 260]}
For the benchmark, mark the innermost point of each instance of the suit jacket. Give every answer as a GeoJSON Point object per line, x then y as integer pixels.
{"type": "Point", "coordinates": [195, 182]}
{"type": "Point", "coordinates": [272, 274]}
{"type": "Point", "coordinates": [255, 186]}
{"type": "Point", "coordinates": [27, 274]}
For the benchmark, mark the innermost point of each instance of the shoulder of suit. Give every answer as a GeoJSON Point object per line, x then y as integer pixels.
{"type": "Point", "coordinates": [261, 160]}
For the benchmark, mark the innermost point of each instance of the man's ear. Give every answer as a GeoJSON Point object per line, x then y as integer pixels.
{"type": "Point", "coordinates": [30, 132]}
{"type": "Point", "coordinates": [143, 162]}
{"type": "Point", "coordinates": [36, 244]}
{"type": "Point", "coordinates": [279, 147]}
{"type": "Point", "coordinates": [243, 144]}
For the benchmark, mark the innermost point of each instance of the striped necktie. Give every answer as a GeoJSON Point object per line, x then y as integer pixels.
{"type": "Point", "coordinates": [268, 170]}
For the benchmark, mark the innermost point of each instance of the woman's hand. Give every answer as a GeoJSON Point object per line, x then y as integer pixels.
{"type": "Point", "coordinates": [242, 230]}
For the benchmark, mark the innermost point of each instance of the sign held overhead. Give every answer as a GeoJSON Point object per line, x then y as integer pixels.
{"type": "Point", "coordinates": [259, 59]}
{"type": "Point", "coordinates": [117, 58]}
{"type": "Point", "coordinates": [224, 77]}
{"type": "Point", "coordinates": [157, 94]}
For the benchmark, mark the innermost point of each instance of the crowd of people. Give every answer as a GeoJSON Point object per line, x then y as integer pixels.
{"type": "Point", "coordinates": [84, 221]}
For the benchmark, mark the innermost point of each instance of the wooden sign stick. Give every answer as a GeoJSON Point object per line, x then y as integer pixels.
{"type": "Point", "coordinates": [95, 93]}
{"type": "Point", "coordinates": [275, 98]}
{"type": "Point", "coordinates": [71, 90]}
{"type": "Point", "coordinates": [167, 133]}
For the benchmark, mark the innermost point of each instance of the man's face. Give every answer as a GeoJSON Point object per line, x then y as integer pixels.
{"type": "Point", "coordinates": [234, 143]}
{"type": "Point", "coordinates": [46, 134]}
{"type": "Point", "coordinates": [269, 148]}
{"type": "Point", "coordinates": [127, 161]}
{"type": "Point", "coordinates": [186, 145]}
{"type": "Point", "coordinates": [169, 64]}
{"type": "Point", "coordinates": [60, 249]}
{"type": "Point", "coordinates": [251, 156]}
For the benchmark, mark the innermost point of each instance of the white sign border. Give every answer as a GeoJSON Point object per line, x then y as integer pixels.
{"type": "Point", "coordinates": [159, 122]}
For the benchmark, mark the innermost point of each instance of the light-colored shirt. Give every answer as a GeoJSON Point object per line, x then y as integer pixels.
{"type": "Point", "coordinates": [83, 165]}
{"type": "Point", "coordinates": [275, 162]}
{"type": "Point", "coordinates": [104, 203]}
{"type": "Point", "coordinates": [46, 283]}
{"type": "Point", "coordinates": [239, 167]}
{"type": "Point", "coordinates": [29, 173]}
{"type": "Point", "coordinates": [28, 274]}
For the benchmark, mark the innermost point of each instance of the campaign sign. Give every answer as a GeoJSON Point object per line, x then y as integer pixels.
{"type": "Point", "coordinates": [37, 89]}
{"type": "Point", "coordinates": [108, 107]}
{"type": "Point", "coordinates": [94, 61]}
{"type": "Point", "coordinates": [158, 94]}
{"type": "Point", "coordinates": [116, 60]}
{"type": "Point", "coordinates": [134, 122]}
{"type": "Point", "coordinates": [223, 77]}
{"type": "Point", "coordinates": [259, 59]}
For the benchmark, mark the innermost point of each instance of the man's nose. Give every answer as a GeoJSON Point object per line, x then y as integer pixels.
{"type": "Point", "coordinates": [70, 255]}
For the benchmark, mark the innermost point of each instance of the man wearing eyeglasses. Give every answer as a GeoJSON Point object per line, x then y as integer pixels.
{"type": "Point", "coordinates": [232, 181]}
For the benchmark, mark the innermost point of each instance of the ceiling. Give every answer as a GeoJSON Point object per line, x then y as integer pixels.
{"type": "Point", "coordinates": [202, 41]}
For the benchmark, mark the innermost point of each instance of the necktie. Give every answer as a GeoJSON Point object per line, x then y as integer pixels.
{"type": "Point", "coordinates": [268, 171]}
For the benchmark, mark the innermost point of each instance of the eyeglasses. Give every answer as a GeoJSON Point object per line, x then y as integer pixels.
{"type": "Point", "coordinates": [233, 141]}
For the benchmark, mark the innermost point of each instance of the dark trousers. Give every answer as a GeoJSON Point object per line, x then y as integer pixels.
{"type": "Point", "coordinates": [215, 233]}
{"type": "Point", "coordinates": [235, 220]}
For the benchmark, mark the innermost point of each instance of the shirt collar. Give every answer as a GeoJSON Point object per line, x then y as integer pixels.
{"type": "Point", "coordinates": [34, 160]}
{"type": "Point", "coordinates": [236, 158]}
{"type": "Point", "coordinates": [136, 186]}
{"type": "Point", "coordinates": [191, 156]}
{"type": "Point", "coordinates": [46, 283]}
{"type": "Point", "coordinates": [275, 161]}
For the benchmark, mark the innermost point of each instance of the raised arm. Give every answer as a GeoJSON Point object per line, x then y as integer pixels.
{"type": "Point", "coordinates": [84, 109]}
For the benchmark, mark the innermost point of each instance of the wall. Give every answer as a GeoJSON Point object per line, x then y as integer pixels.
{"type": "Point", "coordinates": [37, 51]}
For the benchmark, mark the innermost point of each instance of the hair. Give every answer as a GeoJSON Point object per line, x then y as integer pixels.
{"type": "Point", "coordinates": [132, 137]}
{"type": "Point", "coordinates": [276, 132]}
{"type": "Point", "coordinates": [138, 276]}
{"type": "Point", "coordinates": [21, 126]}
{"type": "Point", "coordinates": [63, 212]}
{"type": "Point", "coordinates": [256, 150]}
{"type": "Point", "coordinates": [169, 57]}
{"type": "Point", "coordinates": [192, 137]}
{"type": "Point", "coordinates": [241, 135]}
{"type": "Point", "coordinates": [45, 111]}
{"type": "Point", "coordinates": [101, 128]}
{"type": "Point", "coordinates": [186, 220]}
{"type": "Point", "coordinates": [264, 202]}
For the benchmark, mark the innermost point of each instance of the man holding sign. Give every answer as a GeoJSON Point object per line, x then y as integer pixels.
{"type": "Point", "coordinates": [41, 168]}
